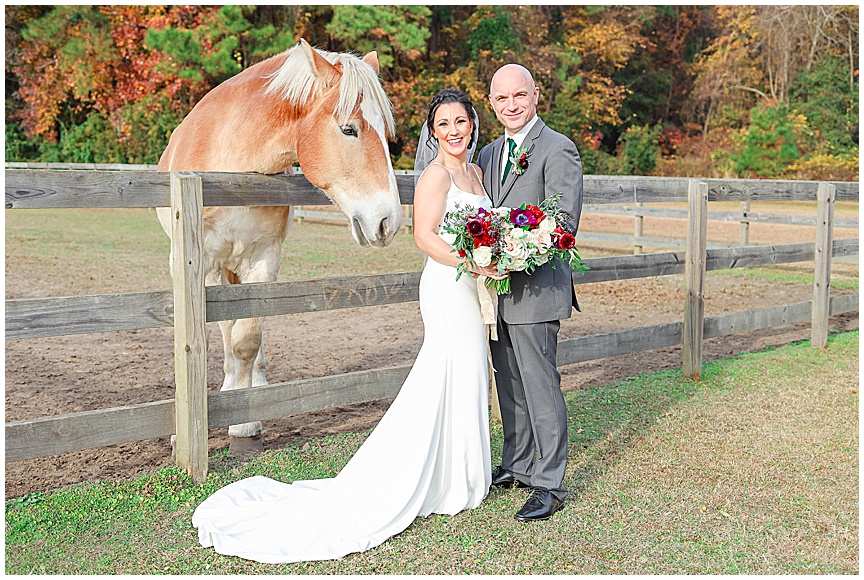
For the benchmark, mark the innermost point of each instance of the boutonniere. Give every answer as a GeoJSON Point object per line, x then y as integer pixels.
{"type": "Point", "coordinates": [519, 159]}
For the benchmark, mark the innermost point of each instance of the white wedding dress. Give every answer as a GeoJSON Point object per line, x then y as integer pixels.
{"type": "Point", "coordinates": [430, 453]}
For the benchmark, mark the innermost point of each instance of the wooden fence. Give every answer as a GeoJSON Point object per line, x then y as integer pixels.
{"type": "Point", "coordinates": [189, 304]}
{"type": "Point", "coordinates": [639, 212]}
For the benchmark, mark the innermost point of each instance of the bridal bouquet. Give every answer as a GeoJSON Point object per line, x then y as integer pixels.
{"type": "Point", "coordinates": [513, 239]}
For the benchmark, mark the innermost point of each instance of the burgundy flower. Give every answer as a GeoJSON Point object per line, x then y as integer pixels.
{"type": "Point", "coordinates": [475, 228]}
{"type": "Point", "coordinates": [522, 217]}
{"type": "Point", "coordinates": [567, 241]}
{"type": "Point", "coordinates": [519, 159]}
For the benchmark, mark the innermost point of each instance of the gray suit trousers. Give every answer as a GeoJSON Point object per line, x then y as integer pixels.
{"type": "Point", "coordinates": [532, 405]}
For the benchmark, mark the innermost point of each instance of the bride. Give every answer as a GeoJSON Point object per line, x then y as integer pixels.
{"type": "Point", "coordinates": [430, 453]}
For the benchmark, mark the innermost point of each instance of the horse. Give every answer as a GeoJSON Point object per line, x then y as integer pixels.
{"type": "Point", "coordinates": [329, 113]}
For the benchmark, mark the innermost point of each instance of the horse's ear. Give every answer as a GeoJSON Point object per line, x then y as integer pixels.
{"type": "Point", "coordinates": [372, 60]}
{"type": "Point", "coordinates": [321, 67]}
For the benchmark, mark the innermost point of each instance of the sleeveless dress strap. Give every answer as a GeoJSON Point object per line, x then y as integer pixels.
{"type": "Point", "coordinates": [453, 182]}
{"type": "Point", "coordinates": [445, 169]}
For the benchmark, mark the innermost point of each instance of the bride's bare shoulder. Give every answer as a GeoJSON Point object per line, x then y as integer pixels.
{"type": "Point", "coordinates": [435, 178]}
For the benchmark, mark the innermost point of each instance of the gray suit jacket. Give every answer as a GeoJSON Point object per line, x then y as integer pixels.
{"type": "Point", "coordinates": [554, 166]}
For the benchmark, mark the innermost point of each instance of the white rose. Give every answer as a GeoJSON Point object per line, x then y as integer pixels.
{"type": "Point", "coordinates": [519, 264]}
{"type": "Point", "coordinates": [517, 249]}
{"type": "Point", "coordinates": [482, 256]}
{"type": "Point", "coordinates": [547, 225]}
{"type": "Point", "coordinates": [517, 234]}
{"type": "Point", "coordinates": [544, 239]}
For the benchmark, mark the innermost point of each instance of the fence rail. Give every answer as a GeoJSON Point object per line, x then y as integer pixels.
{"type": "Point", "coordinates": [44, 188]}
{"type": "Point", "coordinates": [193, 410]}
{"type": "Point", "coordinates": [641, 211]}
{"type": "Point", "coordinates": [59, 316]}
{"type": "Point", "coordinates": [75, 432]}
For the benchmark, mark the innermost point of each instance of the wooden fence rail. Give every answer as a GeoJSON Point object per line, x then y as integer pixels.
{"type": "Point", "coordinates": [193, 410]}
{"type": "Point", "coordinates": [59, 316]}
{"type": "Point", "coordinates": [722, 216]}
{"type": "Point", "coordinates": [44, 188]}
{"type": "Point", "coordinates": [637, 211]}
{"type": "Point", "coordinates": [74, 432]}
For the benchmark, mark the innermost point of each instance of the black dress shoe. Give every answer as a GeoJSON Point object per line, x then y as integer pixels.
{"type": "Point", "coordinates": [540, 506]}
{"type": "Point", "coordinates": [503, 478]}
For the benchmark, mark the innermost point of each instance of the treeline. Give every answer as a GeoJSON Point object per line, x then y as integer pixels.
{"type": "Point", "coordinates": [712, 91]}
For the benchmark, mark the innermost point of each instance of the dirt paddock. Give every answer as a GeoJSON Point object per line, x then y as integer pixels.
{"type": "Point", "coordinates": [69, 374]}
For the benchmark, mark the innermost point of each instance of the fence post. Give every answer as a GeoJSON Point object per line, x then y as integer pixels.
{"type": "Point", "coordinates": [408, 218]}
{"type": "Point", "coordinates": [190, 331]}
{"type": "Point", "coordinates": [694, 278]}
{"type": "Point", "coordinates": [744, 230]}
{"type": "Point", "coordinates": [825, 195]}
{"type": "Point", "coordinates": [637, 230]}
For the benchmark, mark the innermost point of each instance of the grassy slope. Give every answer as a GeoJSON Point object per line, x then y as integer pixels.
{"type": "Point", "coordinates": [752, 470]}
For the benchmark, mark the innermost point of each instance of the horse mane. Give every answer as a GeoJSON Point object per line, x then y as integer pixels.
{"type": "Point", "coordinates": [297, 84]}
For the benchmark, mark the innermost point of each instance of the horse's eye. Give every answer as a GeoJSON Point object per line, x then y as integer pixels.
{"type": "Point", "coordinates": [349, 130]}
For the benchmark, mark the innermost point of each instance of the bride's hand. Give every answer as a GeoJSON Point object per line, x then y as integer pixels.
{"type": "Point", "coordinates": [489, 271]}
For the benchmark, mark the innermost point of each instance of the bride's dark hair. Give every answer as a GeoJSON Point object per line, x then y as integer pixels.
{"type": "Point", "coordinates": [444, 97]}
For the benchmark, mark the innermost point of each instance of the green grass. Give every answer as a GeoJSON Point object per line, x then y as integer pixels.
{"type": "Point", "coordinates": [752, 470]}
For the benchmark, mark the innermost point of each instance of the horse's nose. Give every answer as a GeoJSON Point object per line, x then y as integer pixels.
{"type": "Point", "coordinates": [376, 226]}
{"type": "Point", "coordinates": [386, 233]}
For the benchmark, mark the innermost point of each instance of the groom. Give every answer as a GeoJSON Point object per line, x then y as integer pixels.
{"type": "Point", "coordinates": [529, 163]}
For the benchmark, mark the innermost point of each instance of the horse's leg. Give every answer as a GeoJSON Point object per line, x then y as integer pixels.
{"type": "Point", "coordinates": [229, 365]}
{"type": "Point", "coordinates": [245, 342]}
{"type": "Point", "coordinates": [247, 346]}
{"type": "Point", "coordinates": [260, 365]}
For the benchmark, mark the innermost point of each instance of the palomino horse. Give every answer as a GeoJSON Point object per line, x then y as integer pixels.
{"type": "Point", "coordinates": [326, 111]}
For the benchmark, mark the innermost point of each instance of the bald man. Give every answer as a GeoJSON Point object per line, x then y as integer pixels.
{"type": "Point", "coordinates": [524, 356]}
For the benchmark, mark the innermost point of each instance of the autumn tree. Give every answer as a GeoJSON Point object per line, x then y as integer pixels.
{"type": "Point", "coordinates": [83, 67]}
{"type": "Point", "coordinates": [109, 83]}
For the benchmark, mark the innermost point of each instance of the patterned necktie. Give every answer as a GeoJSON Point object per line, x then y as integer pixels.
{"type": "Point", "coordinates": [511, 145]}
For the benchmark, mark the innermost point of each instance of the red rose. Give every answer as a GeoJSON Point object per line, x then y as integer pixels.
{"type": "Point", "coordinates": [523, 161]}
{"type": "Point", "coordinates": [567, 241]}
{"type": "Point", "coordinates": [538, 213]}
